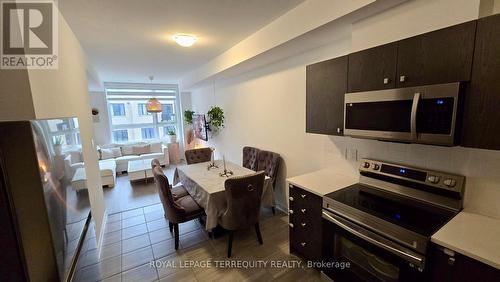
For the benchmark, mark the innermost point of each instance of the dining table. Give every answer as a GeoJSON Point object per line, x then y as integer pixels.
{"type": "Point", "coordinates": [206, 185]}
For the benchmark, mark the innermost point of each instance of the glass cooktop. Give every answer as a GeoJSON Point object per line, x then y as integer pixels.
{"type": "Point", "coordinates": [418, 217]}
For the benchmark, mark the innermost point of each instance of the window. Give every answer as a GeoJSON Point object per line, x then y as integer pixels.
{"type": "Point", "coordinates": [120, 135]}
{"type": "Point", "coordinates": [136, 125]}
{"type": "Point", "coordinates": [118, 110]}
{"type": "Point", "coordinates": [148, 133]}
{"type": "Point", "coordinates": [141, 109]}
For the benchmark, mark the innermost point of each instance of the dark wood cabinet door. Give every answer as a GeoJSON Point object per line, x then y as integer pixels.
{"type": "Point", "coordinates": [372, 69]}
{"type": "Point", "coordinates": [440, 56]}
{"type": "Point", "coordinates": [481, 125]}
{"type": "Point", "coordinates": [326, 84]}
{"type": "Point", "coordinates": [457, 267]}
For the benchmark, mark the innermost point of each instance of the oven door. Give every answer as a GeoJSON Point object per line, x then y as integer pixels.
{"type": "Point", "coordinates": [371, 257]}
{"type": "Point", "coordinates": [424, 114]}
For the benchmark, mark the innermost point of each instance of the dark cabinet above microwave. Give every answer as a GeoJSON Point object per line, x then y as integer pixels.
{"type": "Point", "coordinates": [373, 69]}
{"type": "Point", "coordinates": [441, 56]}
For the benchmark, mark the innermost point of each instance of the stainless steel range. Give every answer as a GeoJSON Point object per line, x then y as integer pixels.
{"type": "Point", "coordinates": [383, 224]}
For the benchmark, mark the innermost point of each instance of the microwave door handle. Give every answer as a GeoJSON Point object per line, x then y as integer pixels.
{"type": "Point", "coordinates": [400, 253]}
{"type": "Point", "coordinates": [414, 109]}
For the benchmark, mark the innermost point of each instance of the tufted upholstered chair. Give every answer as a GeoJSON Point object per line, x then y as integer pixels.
{"type": "Point", "coordinates": [195, 156]}
{"type": "Point", "coordinates": [243, 196]}
{"type": "Point", "coordinates": [250, 155]}
{"type": "Point", "coordinates": [269, 162]}
{"type": "Point", "coordinates": [178, 190]}
{"type": "Point", "coordinates": [176, 210]}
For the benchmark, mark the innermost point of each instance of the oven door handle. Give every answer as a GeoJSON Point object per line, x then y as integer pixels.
{"type": "Point", "coordinates": [409, 257]}
{"type": "Point", "coordinates": [414, 110]}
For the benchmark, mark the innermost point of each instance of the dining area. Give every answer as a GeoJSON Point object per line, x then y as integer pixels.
{"type": "Point", "coordinates": [223, 196]}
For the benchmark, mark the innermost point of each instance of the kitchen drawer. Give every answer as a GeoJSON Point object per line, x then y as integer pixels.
{"type": "Point", "coordinates": [305, 223]}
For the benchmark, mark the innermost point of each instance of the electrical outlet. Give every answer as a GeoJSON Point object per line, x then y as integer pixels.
{"type": "Point", "coordinates": [352, 154]}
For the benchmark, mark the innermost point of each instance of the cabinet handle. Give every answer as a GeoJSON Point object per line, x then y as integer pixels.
{"type": "Point", "coordinates": [291, 199]}
{"type": "Point", "coordinates": [339, 130]}
{"type": "Point", "coordinates": [303, 196]}
{"type": "Point", "coordinates": [303, 244]}
{"type": "Point", "coordinates": [402, 78]}
{"type": "Point", "coordinates": [303, 210]}
{"type": "Point", "coordinates": [451, 261]}
{"type": "Point", "coordinates": [303, 224]}
{"type": "Point", "coordinates": [291, 211]}
{"type": "Point", "coordinates": [386, 80]}
{"type": "Point", "coordinates": [291, 225]}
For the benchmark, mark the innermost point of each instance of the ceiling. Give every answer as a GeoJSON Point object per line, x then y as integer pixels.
{"type": "Point", "coordinates": [128, 40]}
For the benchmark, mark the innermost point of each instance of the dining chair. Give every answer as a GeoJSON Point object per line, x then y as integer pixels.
{"type": "Point", "coordinates": [195, 156]}
{"type": "Point", "coordinates": [269, 162]}
{"type": "Point", "coordinates": [243, 196]}
{"type": "Point", "coordinates": [176, 210]}
{"type": "Point", "coordinates": [178, 191]}
{"type": "Point", "coordinates": [250, 155]}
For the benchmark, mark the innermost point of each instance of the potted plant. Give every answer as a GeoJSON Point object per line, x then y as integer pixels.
{"type": "Point", "coordinates": [215, 118]}
{"type": "Point", "coordinates": [58, 142]}
{"type": "Point", "coordinates": [172, 135]}
{"type": "Point", "coordinates": [188, 117]}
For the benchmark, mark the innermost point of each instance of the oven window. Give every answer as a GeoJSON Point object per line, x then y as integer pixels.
{"type": "Point", "coordinates": [367, 265]}
{"type": "Point", "coordinates": [435, 115]}
{"type": "Point", "coordinates": [393, 116]}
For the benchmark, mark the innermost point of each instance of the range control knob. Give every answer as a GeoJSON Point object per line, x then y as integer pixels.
{"type": "Point", "coordinates": [376, 167]}
{"type": "Point", "coordinates": [366, 165]}
{"type": "Point", "coordinates": [433, 179]}
{"type": "Point", "coordinates": [450, 182]}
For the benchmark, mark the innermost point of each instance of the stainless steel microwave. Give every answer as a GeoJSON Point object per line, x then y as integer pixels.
{"type": "Point", "coordinates": [424, 114]}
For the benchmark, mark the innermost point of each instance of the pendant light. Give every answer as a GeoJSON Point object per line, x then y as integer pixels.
{"type": "Point", "coordinates": [153, 105]}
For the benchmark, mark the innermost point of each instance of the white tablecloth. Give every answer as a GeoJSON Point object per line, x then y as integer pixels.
{"type": "Point", "coordinates": [207, 187]}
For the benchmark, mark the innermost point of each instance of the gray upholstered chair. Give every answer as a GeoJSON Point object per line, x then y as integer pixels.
{"type": "Point", "coordinates": [178, 191]}
{"type": "Point", "coordinates": [269, 162]}
{"type": "Point", "coordinates": [176, 210]}
{"type": "Point", "coordinates": [243, 195]}
{"type": "Point", "coordinates": [250, 155]}
{"type": "Point", "coordinates": [201, 155]}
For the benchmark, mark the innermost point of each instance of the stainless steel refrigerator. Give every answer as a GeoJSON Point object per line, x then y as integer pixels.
{"type": "Point", "coordinates": [43, 220]}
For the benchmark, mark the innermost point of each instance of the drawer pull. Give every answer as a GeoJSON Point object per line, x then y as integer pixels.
{"type": "Point", "coordinates": [291, 225]}
{"type": "Point", "coordinates": [303, 244]}
{"type": "Point", "coordinates": [291, 211]}
{"type": "Point", "coordinates": [303, 224]}
{"type": "Point", "coordinates": [402, 78]}
{"type": "Point", "coordinates": [291, 199]}
{"type": "Point", "coordinates": [303, 196]}
{"type": "Point", "coordinates": [303, 210]}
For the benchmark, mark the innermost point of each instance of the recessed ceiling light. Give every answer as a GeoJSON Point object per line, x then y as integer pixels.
{"type": "Point", "coordinates": [185, 40]}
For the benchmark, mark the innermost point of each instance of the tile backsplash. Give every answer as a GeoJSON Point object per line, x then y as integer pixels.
{"type": "Point", "coordinates": [480, 167]}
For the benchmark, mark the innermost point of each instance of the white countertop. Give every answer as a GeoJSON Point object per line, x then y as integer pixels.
{"type": "Point", "coordinates": [473, 235]}
{"type": "Point", "coordinates": [323, 181]}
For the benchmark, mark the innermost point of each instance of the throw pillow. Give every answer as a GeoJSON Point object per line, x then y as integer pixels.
{"type": "Point", "coordinates": [107, 154]}
{"type": "Point", "coordinates": [76, 156]}
{"type": "Point", "coordinates": [140, 150]}
{"type": "Point", "coordinates": [127, 150]}
{"type": "Point", "coordinates": [155, 147]}
{"type": "Point", "coordinates": [117, 152]}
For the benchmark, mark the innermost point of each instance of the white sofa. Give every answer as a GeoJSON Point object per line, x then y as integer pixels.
{"type": "Point", "coordinates": [73, 164]}
{"type": "Point", "coordinates": [154, 150]}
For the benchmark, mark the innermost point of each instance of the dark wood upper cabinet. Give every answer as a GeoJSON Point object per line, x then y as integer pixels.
{"type": "Point", "coordinates": [326, 84]}
{"type": "Point", "coordinates": [481, 125]}
{"type": "Point", "coordinates": [440, 56]}
{"type": "Point", "coordinates": [373, 69]}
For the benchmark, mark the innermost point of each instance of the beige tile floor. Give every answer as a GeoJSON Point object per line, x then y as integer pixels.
{"type": "Point", "coordinates": [135, 238]}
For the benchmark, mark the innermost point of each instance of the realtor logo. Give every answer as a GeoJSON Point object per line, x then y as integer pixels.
{"type": "Point", "coordinates": [29, 35]}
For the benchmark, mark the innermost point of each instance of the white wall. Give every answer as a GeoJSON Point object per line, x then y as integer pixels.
{"type": "Point", "coordinates": [102, 128]}
{"type": "Point", "coordinates": [266, 108]}
{"type": "Point", "coordinates": [63, 93]}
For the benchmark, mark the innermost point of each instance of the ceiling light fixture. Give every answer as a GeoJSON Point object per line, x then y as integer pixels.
{"type": "Point", "coordinates": [185, 40]}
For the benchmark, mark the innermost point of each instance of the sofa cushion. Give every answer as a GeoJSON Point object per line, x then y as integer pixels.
{"type": "Point", "coordinates": [141, 149]}
{"type": "Point", "coordinates": [158, 156]}
{"type": "Point", "coordinates": [155, 147]}
{"type": "Point", "coordinates": [127, 150]}
{"type": "Point", "coordinates": [107, 167]}
{"type": "Point", "coordinates": [110, 153]}
{"type": "Point", "coordinates": [76, 156]}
